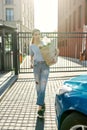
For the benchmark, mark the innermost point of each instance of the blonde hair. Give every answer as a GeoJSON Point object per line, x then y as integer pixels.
{"type": "Point", "coordinates": [34, 30]}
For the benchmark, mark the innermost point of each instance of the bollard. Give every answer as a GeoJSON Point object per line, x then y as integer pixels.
{"type": "Point", "coordinates": [20, 58]}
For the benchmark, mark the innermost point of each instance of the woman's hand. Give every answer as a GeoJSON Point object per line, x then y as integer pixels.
{"type": "Point", "coordinates": [57, 52]}
{"type": "Point", "coordinates": [31, 66]}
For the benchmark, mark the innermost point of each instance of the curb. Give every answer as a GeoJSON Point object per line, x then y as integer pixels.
{"type": "Point", "coordinates": [7, 85]}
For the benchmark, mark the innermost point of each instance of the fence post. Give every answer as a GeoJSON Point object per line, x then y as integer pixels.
{"type": "Point", "coordinates": [15, 54]}
{"type": "Point", "coordinates": [2, 50]}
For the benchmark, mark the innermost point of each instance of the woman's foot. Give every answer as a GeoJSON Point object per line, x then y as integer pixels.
{"type": "Point", "coordinates": [43, 107]}
{"type": "Point", "coordinates": [41, 111]}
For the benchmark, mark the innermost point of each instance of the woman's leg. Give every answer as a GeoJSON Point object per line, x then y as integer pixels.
{"type": "Point", "coordinates": [37, 78]}
{"type": "Point", "coordinates": [44, 73]}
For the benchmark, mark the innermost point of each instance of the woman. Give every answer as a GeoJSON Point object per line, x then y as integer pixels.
{"type": "Point", "coordinates": [41, 71]}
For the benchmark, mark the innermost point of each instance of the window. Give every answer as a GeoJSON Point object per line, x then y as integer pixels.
{"type": "Point", "coordinates": [66, 25]}
{"type": "Point", "coordinates": [9, 14]}
{"type": "Point", "coordinates": [79, 16]}
{"type": "Point", "coordinates": [74, 20]}
{"type": "Point", "coordinates": [74, 2]}
{"type": "Point", "coordinates": [69, 23]}
{"type": "Point", "coordinates": [8, 1]}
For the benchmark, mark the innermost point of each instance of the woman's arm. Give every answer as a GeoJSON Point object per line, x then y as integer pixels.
{"type": "Point", "coordinates": [32, 61]}
{"type": "Point", "coordinates": [31, 56]}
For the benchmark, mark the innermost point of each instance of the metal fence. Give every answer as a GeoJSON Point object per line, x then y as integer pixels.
{"type": "Point", "coordinates": [72, 47]}
{"type": "Point", "coordinates": [14, 51]}
{"type": "Point", "coordinates": [6, 52]}
{"type": "Point", "coordinates": [9, 57]}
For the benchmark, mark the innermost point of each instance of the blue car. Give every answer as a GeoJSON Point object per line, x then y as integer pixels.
{"type": "Point", "coordinates": [71, 104]}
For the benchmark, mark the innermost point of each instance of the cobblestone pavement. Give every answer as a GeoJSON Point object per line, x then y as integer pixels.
{"type": "Point", "coordinates": [18, 110]}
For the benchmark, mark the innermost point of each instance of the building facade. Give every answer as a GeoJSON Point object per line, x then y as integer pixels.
{"type": "Point", "coordinates": [72, 20]}
{"type": "Point", "coordinates": [18, 14]}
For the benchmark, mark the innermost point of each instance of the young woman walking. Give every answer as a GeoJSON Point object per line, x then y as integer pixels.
{"type": "Point", "coordinates": [41, 71]}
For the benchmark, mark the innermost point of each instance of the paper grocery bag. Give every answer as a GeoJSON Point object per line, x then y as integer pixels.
{"type": "Point", "coordinates": [49, 53]}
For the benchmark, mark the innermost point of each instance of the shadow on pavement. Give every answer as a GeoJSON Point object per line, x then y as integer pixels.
{"type": "Point", "coordinates": [39, 124]}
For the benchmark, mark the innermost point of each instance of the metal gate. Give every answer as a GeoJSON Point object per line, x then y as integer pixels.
{"type": "Point", "coordinates": [72, 47]}
{"type": "Point", "coordinates": [8, 49]}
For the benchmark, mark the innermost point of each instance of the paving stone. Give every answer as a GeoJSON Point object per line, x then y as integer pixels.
{"type": "Point", "coordinates": [18, 110]}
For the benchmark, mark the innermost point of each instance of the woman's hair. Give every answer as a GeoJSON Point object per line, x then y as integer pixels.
{"type": "Point", "coordinates": [35, 30]}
